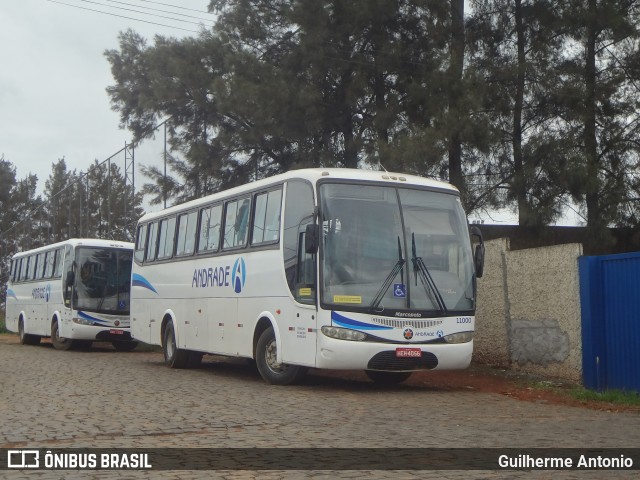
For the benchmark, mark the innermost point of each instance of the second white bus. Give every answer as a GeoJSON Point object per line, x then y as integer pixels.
{"type": "Point", "coordinates": [323, 268]}
{"type": "Point", "coordinates": [76, 292]}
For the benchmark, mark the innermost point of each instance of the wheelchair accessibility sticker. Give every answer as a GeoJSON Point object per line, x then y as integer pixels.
{"type": "Point", "coordinates": [399, 290]}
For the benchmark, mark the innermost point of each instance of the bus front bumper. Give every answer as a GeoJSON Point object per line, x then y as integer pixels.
{"type": "Point", "coordinates": [353, 355]}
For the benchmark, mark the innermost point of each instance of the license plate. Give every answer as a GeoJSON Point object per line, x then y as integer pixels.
{"type": "Point", "coordinates": [408, 353]}
{"type": "Point", "coordinates": [116, 332]}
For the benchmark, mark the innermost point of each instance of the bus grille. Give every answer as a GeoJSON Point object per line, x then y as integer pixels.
{"type": "Point", "coordinates": [389, 361]}
{"type": "Point", "coordinates": [406, 322]}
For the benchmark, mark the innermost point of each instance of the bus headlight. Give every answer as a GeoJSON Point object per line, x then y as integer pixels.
{"type": "Point", "coordinates": [343, 333]}
{"type": "Point", "coordinates": [82, 321]}
{"type": "Point", "coordinates": [461, 337]}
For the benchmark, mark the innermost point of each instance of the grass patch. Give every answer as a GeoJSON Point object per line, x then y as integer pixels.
{"type": "Point", "coordinates": [617, 397]}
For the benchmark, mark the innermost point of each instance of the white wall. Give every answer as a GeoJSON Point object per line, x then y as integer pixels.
{"type": "Point", "coordinates": [528, 316]}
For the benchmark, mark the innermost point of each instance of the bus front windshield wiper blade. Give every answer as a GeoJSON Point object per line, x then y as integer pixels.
{"type": "Point", "coordinates": [389, 280]}
{"type": "Point", "coordinates": [421, 270]}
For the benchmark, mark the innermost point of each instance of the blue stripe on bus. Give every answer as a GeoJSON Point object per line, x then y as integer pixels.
{"type": "Point", "coordinates": [138, 280]}
{"type": "Point", "coordinates": [343, 321]}
{"type": "Point", "coordinates": [92, 319]}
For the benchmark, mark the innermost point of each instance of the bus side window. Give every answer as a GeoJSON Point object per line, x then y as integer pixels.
{"type": "Point", "coordinates": [266, 217]}
{"type": "Point", "coordinates": [49, 259]}
{"type": "Point", "coordinates": [210, 222]}
{"type": "Point", "coordinates": [31, 267]}
{"type": "Point", "coordinates": [24, 269]}
{"type": "Point", "coordinates": [57, 271]}
{"type": "Point", "coordinates": [15, 274]}
{"type": "Point", "coordinates": [68, 274]}
{"type": "Point", "coordinates": [152, 242]}
{"type": "Point", "coordinates": [236, 223]}
{"type": "Point", "coordinates": [141, 243]}
{"type": "Point", "coordinates": [39, 266]}
{"type": "Point", "coordinates": [167, 235]}
{"type": "Point", "coordinates": [298, 265]}
{"type": "Point", "coordinates": [186, 233]}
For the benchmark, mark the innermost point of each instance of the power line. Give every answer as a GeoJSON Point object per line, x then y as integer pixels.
{"type": "Point", "coordinates": [142, 12]}
{"type": "Point", "coordinates": [176, 6]}
{"type": "Point", "coordinates": [157, 10]}
{"type": "Point", "coordinates": [123, 16]}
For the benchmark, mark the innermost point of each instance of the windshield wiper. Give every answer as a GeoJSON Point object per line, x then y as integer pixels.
{"type": "Point", "coordinates": [430, 286]}
{"type": "Point", "coordinates": [389, 280]}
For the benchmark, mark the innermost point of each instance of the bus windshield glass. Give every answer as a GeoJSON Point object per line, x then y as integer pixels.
{"type": "Point", "coordinates": [103, 280]}
{"type": "Point", "coordinates": [387, 249]}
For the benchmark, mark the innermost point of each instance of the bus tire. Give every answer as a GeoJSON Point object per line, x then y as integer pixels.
{"type": "Point", "coordinates": [124, 346]}
{"type": "Point", "coordinates": [270, 370]}
{"type": "Point", "coordinates": [26, 338]}
{"type": "Point", "coordinates": [59, 343]}
{"type": "Point", "coordinates": [194, 360]}
{"type": "Point", "coordinates": [387, 378]}
{"type": "Point", "coordinates": [174, 357]}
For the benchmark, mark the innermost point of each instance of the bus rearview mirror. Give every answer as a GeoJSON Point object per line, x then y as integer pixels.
{"type": "Point", "coordinates": [478, 257]}
{"type": "Point", "coordinates": [311, 238]}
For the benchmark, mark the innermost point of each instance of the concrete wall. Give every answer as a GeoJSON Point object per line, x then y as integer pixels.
{"type": "Point", "coordinates": [528, 316]}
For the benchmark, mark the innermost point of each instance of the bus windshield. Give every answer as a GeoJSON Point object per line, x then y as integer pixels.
{"type": "Point", "coordinates": [103, 280]}
{"type": "Point", "coordinates": [387, 250]}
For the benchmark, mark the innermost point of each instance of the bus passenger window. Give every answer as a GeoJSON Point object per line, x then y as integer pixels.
{"type": "Point", "coordinates": [39, 266]}
{"type": "Point", "coordinates": [49, 263]}
{"type": "Point", "coordinates": [57, 271]}
{"type": "Point", "coordinates": [186, 233]}
{"type": "Point", "coordinates": [236, 223]}
{"type": "Point", "coordinates": [152, 242]}
{"type": "Point", "coordinates": [141, 241]}
{"type": "Point", "coordinates": [210, 220]}
{"type": "Point", "coordinates": [167, 234]}
{"type": "Point", "coordinates": [266, 221]}
{"type": "Point", "coordinates": [32, 268]}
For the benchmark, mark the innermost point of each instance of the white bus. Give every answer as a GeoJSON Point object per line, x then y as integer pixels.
{"type": "Point", "coordinates": [322, 268]}
{"type": "Point", "coordinates": [76, 292]}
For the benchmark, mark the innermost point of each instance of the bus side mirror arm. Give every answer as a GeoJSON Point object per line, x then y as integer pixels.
{"type": "Point", "coordinates": [71, 278]}
{"type": "Point", "coordinates": [311, 238]}
{"type": "Point", "coordinates": [478, 257]}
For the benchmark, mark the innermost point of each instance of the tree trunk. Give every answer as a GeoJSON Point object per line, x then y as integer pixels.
{"type": "Point", "coordinates": [590, 141]}
{"type": "Point", "coordinates": [456, 65]}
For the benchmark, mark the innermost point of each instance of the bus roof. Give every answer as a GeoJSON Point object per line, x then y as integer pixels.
{"type": "Point", "coordinates": [77, 242]}
{"type": "Point", "coordinates": [312, 175]}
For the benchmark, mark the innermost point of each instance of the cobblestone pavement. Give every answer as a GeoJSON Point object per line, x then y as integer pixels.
{"type": "Point", "coordinates": [107, 399]}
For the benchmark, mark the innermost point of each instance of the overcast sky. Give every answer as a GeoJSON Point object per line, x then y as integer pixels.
{"type": "Point", "coordinates": [53, 76]}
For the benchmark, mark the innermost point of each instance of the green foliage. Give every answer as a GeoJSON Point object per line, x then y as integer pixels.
{"type": "Point", "coordinates": [94, 204]}
{"type": "Point", "coordinates": [282, 85]}
{"type": "Point", "coordinates": [617, 397]}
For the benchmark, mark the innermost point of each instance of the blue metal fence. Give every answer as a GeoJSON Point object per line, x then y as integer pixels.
{"type": "Point", "coordinates": [610, 302]}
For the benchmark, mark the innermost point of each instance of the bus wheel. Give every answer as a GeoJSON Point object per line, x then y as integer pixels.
{"type": "Point", "coordinates": [194, 360]}
{"type": "Point", "coordinates": [26, 338]}
{"type": "Point", "coordinates": [59, 343]}
{"type": "Point", "coordinates": [266, 360]}
{"type": "Point", "coordinates": [387, 378]}
{"type": "Point", "coordinates": [124, 346]}
{"type": "Point", "coordinates": [174, 357]}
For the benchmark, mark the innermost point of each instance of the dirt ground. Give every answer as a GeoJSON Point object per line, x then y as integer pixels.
{"type": "Point", "coordinates": [478, 378]}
